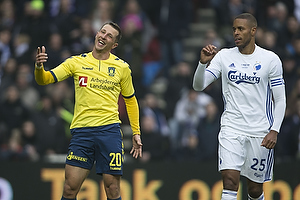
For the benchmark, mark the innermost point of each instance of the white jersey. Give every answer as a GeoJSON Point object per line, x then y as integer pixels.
{"type": "Point", "coordinates": [247, 81]}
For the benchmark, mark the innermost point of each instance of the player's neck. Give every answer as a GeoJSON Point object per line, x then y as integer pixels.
{"type": "Point", "coordinates": [249, 49]}
{"type": "Point", "coordinates": [100, 55]}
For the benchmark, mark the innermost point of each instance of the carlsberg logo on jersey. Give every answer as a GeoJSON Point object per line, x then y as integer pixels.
{"type": "Point", "coordinates": [239, 77]}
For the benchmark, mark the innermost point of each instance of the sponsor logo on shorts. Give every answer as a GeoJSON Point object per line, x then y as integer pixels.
{"type": "Point", "coordinates": [74, 157]}
{"type": "Point", "coordinates": [115, 168]}
{"type": "Point", "coordinates": [258, 175]}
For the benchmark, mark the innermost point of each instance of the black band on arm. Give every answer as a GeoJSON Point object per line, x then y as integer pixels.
{"type": "Point", "coordinates": [129, 96]}
{"type": "Point", "coordinates": [55, 78]}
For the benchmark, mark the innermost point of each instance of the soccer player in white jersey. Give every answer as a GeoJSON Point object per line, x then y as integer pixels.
{"type": "Point", "coordinates": [254, 99]}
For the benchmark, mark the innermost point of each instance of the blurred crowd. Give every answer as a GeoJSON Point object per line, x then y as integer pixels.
{"type": "Point", "coordinates": [177, 123]}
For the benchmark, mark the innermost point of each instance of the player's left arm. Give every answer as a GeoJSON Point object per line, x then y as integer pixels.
{"type": "Point", "coordinates": [133, 115]}
{"type": "Point", "coordinates": [277, 87]}
{"type": "Point", "coordinates": [132, 107]}
{"type": "Point", "coordinates": [279, 99]}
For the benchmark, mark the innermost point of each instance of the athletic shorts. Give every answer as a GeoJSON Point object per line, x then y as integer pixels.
{"type": "Point", "coordinates": [101, 145]}
{"type": "Point", "coordinates": [244, 153]}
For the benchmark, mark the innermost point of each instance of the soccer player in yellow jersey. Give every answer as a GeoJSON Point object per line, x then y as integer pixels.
{"type": "Point", "coordinates": [99, 78]}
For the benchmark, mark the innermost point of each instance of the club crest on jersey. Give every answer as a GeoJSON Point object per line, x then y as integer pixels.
{"type": "Point", "coordinates": [257, 66]}
{"type": "Point", "coordinates": [111, 71]}
{"type": "Point", "coordinates": [82, 81]}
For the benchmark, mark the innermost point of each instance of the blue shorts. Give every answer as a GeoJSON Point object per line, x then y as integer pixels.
{"type": "Point", "coordinates": [101, 145]}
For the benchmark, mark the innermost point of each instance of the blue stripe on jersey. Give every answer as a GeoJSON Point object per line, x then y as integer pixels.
{"type": "Point", "coordinates": [55, 78]}
{"type": "Point", "coordinates": [212, 73]}
{"type": "Point", "coordinates": [269, 104]}
{"type": "Point", "coordinates": [270, 162]}
{"type": "Point", "coordinates": [276, 82]}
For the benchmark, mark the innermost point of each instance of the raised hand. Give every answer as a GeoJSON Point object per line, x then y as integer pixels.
{"type": "Point", "coordinates": [41, 56]}
{"type": "Point", "coordinates": [207, 53]}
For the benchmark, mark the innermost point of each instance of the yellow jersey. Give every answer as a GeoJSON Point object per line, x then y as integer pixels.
{"type": "Point", "coordinates": [98, 84]}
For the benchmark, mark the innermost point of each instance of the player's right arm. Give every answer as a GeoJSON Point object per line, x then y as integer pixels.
{"type": "Point", "coordinates": [42, 77]}
{"type": "Point", "coordinates": [201, 81]}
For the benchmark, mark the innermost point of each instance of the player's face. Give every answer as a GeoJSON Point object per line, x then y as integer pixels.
{"type": "Point", "coordinates": [105, 39]}
{"type": "Point", "coordinates": [243, 33]}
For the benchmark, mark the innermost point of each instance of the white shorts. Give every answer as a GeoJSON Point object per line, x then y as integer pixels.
{"type": "Point", "coordinates": [244, 153]}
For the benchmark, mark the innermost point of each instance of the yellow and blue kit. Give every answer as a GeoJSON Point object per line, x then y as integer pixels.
{"type": "Point", "coordinates": [98, 84]}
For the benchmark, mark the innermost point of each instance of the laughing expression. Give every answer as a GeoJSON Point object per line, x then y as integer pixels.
{"type": "Point", "coordinates": [105, 39]}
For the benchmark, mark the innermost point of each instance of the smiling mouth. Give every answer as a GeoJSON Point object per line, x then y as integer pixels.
{"type": "Point", "coordinates": [101, 42]}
